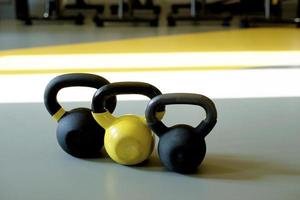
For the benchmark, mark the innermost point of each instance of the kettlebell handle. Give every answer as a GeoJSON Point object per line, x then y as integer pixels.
{"type": "Point", "coordinates": [72, 80]}
{"type": "Point", "coordinates": [113, 89]}
{"type": "Point", "coordinates": [160, 128]}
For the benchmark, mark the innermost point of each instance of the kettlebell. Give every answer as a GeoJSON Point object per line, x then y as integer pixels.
{"type": "Point", "coordinates": [181, 148]}
{"type": "Point", "coordinates": [128, 140]}
{"type": "Point", "coordinates": [77, 132]}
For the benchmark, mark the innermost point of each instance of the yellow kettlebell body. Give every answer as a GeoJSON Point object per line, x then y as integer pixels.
{"type": "Point", "coordinates": [127, 140]}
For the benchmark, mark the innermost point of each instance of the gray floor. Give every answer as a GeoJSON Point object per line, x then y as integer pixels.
{"type": "Point", "coordinates": [252, 153]}
{"type": "Point", "coordinates": [14, 34]}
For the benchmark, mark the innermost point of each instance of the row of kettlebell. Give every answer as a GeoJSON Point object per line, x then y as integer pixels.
{"type": "Point", "coordinates": [128, 139]}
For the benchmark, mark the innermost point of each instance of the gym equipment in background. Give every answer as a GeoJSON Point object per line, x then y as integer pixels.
{"type": "Point", "coordinates": [232, 6]}
{"type": "Point", "coordinates": [126, 12]}
{"type": "Point", "coordinates": [181, 147]}
{"type": "Point", "coordinates": [77, 133]}
{"type": "Point", "coordinates": [82, 5]}
{"type": "Point", "coordinates": [201, 11]}
{"type": "Point", "coordinates": [22, 11]}
{"type": "Point", "coordinates": [267, 11]}
{"type": "Point", "coordinates": [137, 5]}
{"type": "Point", "coordinates": [53, 11]}
{"type": "Point", "coordinates": [128, 140]}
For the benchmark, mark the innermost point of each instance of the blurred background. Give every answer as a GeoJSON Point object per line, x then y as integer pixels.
{"type": "Point", "coordinates": [223, 48]}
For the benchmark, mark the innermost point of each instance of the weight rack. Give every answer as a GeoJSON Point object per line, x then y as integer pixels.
{"type": "Point", "coordinates": [81, 4]}
{"type": "Point", "coordinates": [137, 5]}
{"type": "Point", "coordinates": [268, 17]}
{"type": "Point", "coordinates": [198, 12]}
{"type": "Point", "coordinates": [124, 12]}
{"type": "Point", "coordinates": [52, 11]}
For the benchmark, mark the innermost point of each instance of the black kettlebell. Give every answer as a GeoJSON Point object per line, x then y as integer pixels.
{"type": "Point", "coordinates": [181, 147]}
{"type": "Point", "coordinates": [77, 132]}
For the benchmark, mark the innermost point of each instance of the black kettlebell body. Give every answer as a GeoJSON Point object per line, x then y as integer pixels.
{"type": "Point", "coordinates": [77, 132]}
{"type": "Point", "coordinates": [181, 148]}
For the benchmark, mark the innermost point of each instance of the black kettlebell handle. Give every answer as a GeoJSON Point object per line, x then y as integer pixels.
{"type": "Point", "coordinates": [113, 89]}
{"type": "Point", "coordinates": [73, 80]}
{"type": "Point", "coordinates": [181, 98]}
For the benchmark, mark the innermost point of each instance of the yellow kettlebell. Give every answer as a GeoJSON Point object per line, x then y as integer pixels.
{"type": "Point", "coordinates": [127, 140]}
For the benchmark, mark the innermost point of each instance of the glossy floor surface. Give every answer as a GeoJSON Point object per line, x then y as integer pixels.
{"type": "Point", "coordinates": [14, 34]}
{"type": "Point", "coordinates": [195, 62]}
{"type": "Point", "coordinates": [252, 153]}
{"type": "Point", "coordinates": [230, 49]}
